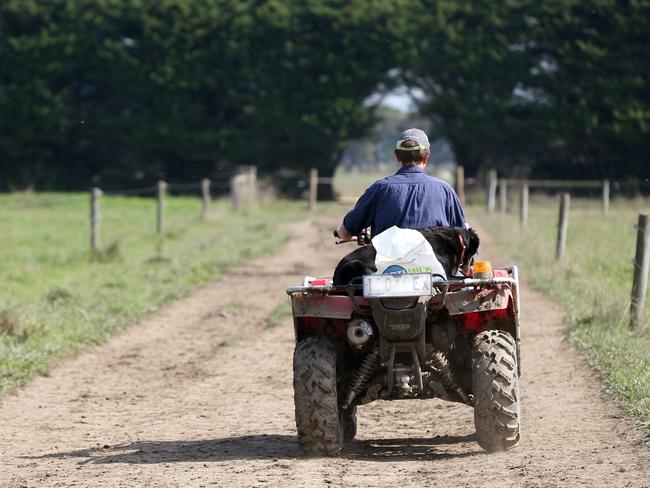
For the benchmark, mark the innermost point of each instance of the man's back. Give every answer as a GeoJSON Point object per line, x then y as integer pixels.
{"type": "Point", "coordinates": [408, 199]}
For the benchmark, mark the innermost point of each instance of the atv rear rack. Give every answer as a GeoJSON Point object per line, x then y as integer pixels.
{"type": "Point", "coordinates": [360, 304]}
{"type": "Point", "coordinates": [442, 286]}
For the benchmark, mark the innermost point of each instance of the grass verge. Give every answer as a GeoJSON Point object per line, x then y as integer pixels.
{"type": "Point", "coordinates": [58, 297]}
{"type": "Point", "coordinates": [593, 285]}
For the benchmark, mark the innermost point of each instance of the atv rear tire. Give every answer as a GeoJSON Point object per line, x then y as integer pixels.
{"type": "Point", "coordinates": [349, 423]}
{"type": "Point", "coordinates": [496, 390]}
{"type": "Point", "coordinates": [314, 385]}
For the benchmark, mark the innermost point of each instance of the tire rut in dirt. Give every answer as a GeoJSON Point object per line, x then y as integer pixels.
{"type": "Point", "coordinates": [315, 397]}
{"type": "Point", "coordinates": [496, 391]}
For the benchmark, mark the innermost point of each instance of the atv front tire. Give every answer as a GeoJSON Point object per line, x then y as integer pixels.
{"type": "Point", "coordinates": [320, 430]}
{"type": "Point", "coordinates": [496, 390]}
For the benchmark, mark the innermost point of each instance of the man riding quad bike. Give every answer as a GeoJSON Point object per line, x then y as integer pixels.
{"type": "Point", "coordinates": [407, 316]}
{"type": "Point", "coordinates": [409, 199]}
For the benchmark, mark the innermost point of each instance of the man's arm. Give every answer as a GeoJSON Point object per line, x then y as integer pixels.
{"type": "Point", "coordinates": [454, 209]}
{"type": "Point", "coordinates": [360, 216]}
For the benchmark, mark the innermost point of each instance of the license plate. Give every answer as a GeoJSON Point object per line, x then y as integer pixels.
{"type": "Point", "coordinates": [397, 285]}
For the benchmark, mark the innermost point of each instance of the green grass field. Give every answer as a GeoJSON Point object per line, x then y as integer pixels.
{"type": "Point", "coordinates": [593, 285]}
{"type": "Point", "coordinates": [57, 296]}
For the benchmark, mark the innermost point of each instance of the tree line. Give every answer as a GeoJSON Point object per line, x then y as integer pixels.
{"type": "Point", "coordinates": [116, 91]}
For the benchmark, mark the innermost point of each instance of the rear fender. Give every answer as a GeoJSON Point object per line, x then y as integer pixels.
{"type": "Point", "coordinates": [478, 300]}
{"type": "Point", "coordinates": [477, 321]}
{"type": "Point", "coordinates": [320, 315]}
{"type": "Point", "coordinates": [323, 306]}
{"type": "Point", "coordinates": [492, 307]}
{"type": "Point", "coordinates": [313, 326]}
{"type": "Point", "coordinates": [496, 307]}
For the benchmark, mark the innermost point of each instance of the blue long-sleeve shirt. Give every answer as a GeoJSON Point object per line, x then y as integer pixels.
{"type": "Point", "coordinates": [409, 199]}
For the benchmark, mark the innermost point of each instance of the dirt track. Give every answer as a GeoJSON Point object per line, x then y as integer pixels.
{"type": "Point", "coordinates": [200, 395]}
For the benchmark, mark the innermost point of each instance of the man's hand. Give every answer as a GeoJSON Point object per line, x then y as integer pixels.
{"type": "Point", "coordinates": [343, 233]}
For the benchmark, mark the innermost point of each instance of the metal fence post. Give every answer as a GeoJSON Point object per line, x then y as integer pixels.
{"type": "Point", "coordinates": [523, 207]}
{"type": "Point", "coordinates": [503, 195]}
{"type": "Point", "coordinates": [205, 197]}
{"type": "Point", "coordinates": [460, 183]}
{"type": "Point", "coordinates": [95, 218]}
{"type": "Point", "coordinates": [641, 267]}
{"type": "Point", "coordinates": [160, 220]}
{"type": "Point", "coordinates": [606, 197]}
{"type": "Point", "coordinates": [313, 189]}
{"type": "Point", "coordinates": [562, 226]}
{"type": "Point", "coordinates": [491, 190]}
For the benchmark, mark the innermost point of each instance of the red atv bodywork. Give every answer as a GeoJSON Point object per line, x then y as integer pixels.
{"type": "Point", "coordinates": [474, 305]}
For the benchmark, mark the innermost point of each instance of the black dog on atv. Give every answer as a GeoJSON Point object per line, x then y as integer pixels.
{"type": "Point", "coordinates": [454, 247]}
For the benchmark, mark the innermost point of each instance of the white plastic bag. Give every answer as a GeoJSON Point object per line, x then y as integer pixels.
{"type": "Point", "coordinates": [405, 251]}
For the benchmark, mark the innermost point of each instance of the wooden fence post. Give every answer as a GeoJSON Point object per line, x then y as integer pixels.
{"type": "Point", "coordinates": [523, 207]}
{"type": "Point", "coordinates": [95, 218]}
{"type": "Point", "coordinates": [460, 183]}
{"type": "Point", "coordinates": [160, 220]}
{"type": "Point", "coordinates": [562, 226]}
{"type": "Point", "coordinates": [252, 180]}
{"type": "Point", "coordinates": [491, 190]}
{"type": "Point", "coordinates": [606, 197]}
{"type": "Point", "coordinates": [641, 267]}
{"type": "Point", "coordinates": [313, 189]}
{"type": "Point", "coordinates": [235, 193]}
{"type": "Point", "coordinates": [503, 195]}
{"type": "Point", "coordinates": [205, 197]}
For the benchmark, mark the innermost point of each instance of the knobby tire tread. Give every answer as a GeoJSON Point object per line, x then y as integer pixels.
{"type": "Point", "coordinates": [496, 390]}
{"type": "Point", "coordinates": [315, 397]}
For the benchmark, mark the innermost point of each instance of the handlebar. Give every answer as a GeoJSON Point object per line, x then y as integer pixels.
{"type": "Point", "coordinates": [342, 241]}
{"type": "Point", "coordinates": [345, 241]}
{"type": "Point", "coordinates": [362, 239]}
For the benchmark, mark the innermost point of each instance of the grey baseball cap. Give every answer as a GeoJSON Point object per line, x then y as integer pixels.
{"type": "Point", "coordinates": [417, 135]}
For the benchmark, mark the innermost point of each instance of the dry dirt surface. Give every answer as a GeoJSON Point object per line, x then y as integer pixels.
{"type": "Point", "coordinates": [200, 395]}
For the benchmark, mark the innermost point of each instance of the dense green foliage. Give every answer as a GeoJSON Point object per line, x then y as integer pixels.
{"type": "Point", "coordinates": [57, 297]}
{"type": "Point", "coordinates": [183, 88]}
{"type": "Point", "coordinates": [562, 88]}
{"type": "Point", "coordinates": [122, 90]}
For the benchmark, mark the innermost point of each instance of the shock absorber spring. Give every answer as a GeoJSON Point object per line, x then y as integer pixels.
{"type": "Point", "coordinates": [441, 364]}
{"type": "Point", "coordinates": [361, 377]}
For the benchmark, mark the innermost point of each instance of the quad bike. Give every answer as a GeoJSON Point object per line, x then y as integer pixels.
{"type": "Point", "coordinates": [406, 336]}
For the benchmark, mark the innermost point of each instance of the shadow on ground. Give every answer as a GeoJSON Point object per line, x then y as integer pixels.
{"type": "Point", "coordinates": [272, 447]}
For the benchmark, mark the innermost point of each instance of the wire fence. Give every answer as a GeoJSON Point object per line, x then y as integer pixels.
{"type": "Point", "coordinates": [630, 188]}
{"type": "Point", "coordinates": [40, 201]}
{"type": "Point", "coordinates": [242, 188]}
{"type": "Point", "coordinates": [216, 188]}
{"type": "Point", "coordinates": [499, 191]}
{"type": "Point", "coordinates": [147, 190]}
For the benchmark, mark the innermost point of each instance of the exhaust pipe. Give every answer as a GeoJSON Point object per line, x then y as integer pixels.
{"type": "Point", "coordinates": [359, 332]}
